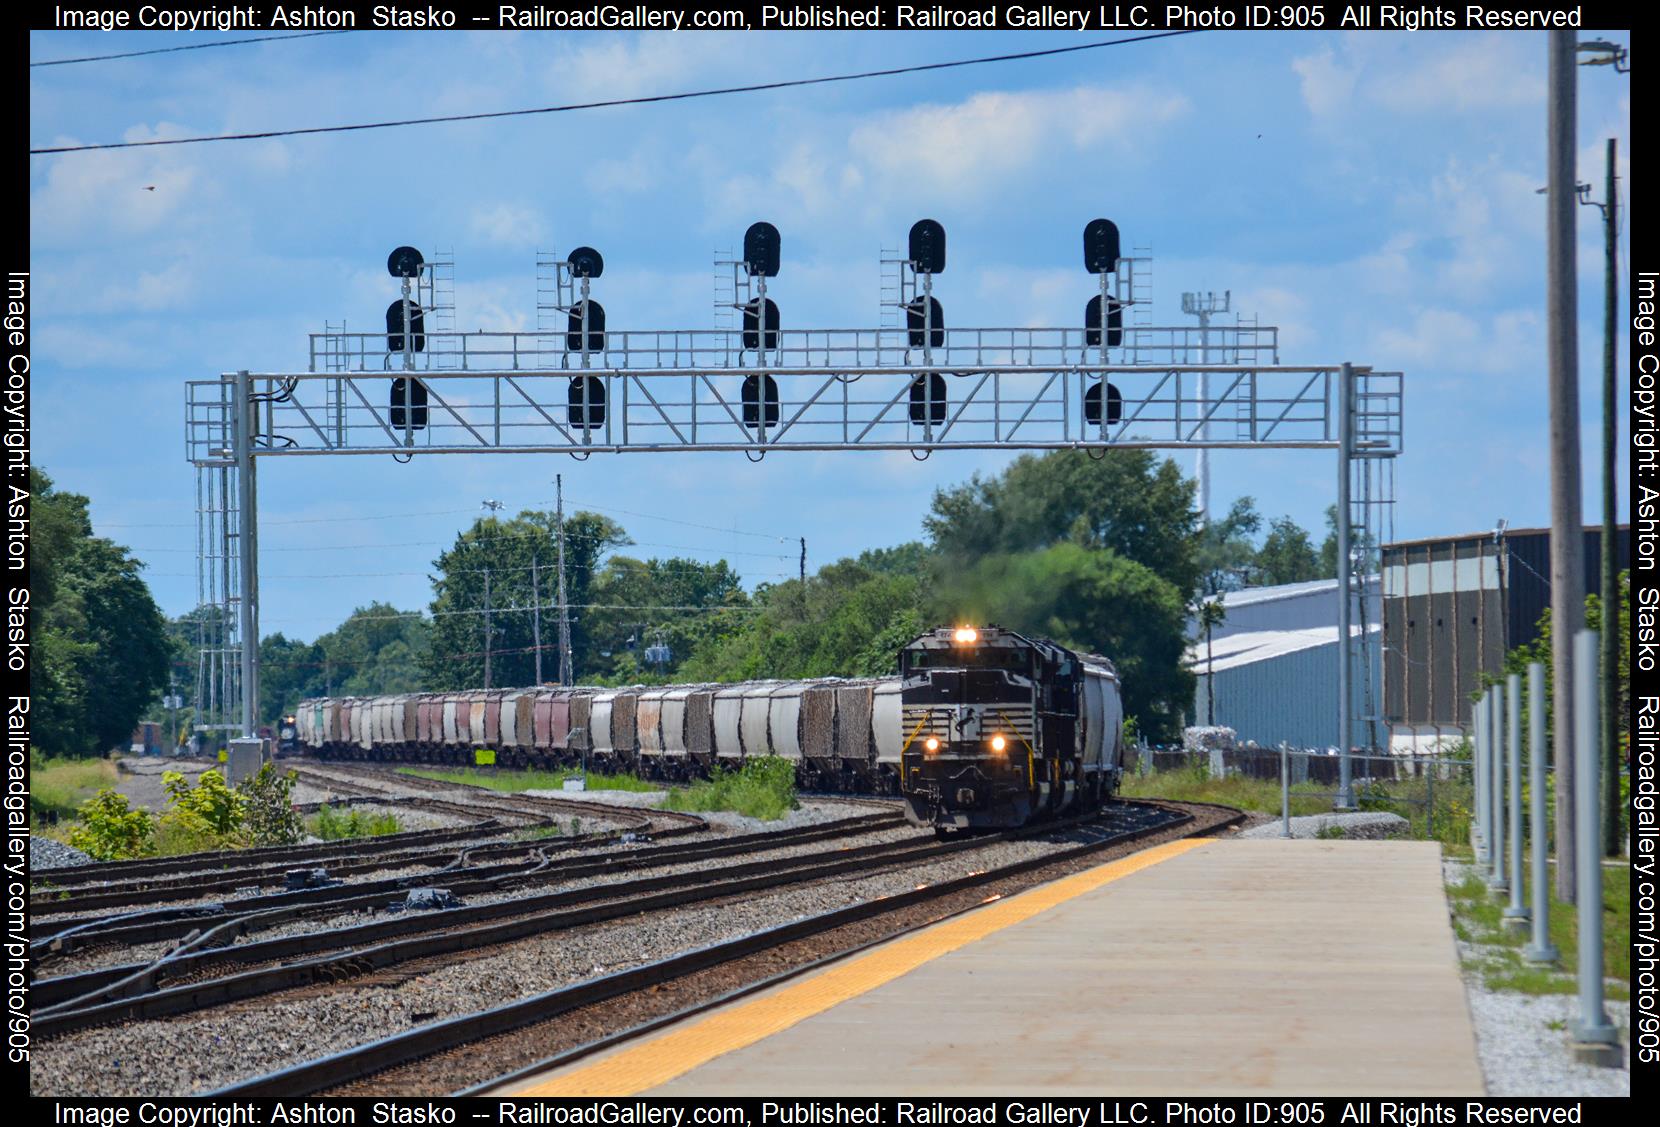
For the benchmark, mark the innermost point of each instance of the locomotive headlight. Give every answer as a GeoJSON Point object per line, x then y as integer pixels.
{"type": "Point", "coordinates": [931, 744]}
{"type": "Point", "coordinates": [998, 743]}
{"type": "Point", "coordinates": [966, 635]}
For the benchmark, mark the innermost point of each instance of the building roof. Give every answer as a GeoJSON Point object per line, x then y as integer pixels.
{"type": "Point", "coordinates": [1261, 645]}
{"type": "Point", "coordinates": [1489, 534]}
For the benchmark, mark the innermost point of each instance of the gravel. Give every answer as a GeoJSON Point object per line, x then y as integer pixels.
{"type": "Point", "coordinates": [44, 853]}
{"type": "Point", "coordinates": [810, 812]}
{"type": "Point", "coordinates": [1352, 827]}
{"type": "Point", "coordinates": [1522, 1040]}
{"type": "Point", "coordinates": [197, 1052]}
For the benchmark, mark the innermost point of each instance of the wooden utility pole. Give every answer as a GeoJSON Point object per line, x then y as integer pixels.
{"type": "Point", "coordinates": [486, 628]}
{"type": "Point", "coordinates": [1610, 525]}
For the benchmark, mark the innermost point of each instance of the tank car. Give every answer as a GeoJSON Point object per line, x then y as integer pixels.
{"type": "Point", "coordinates": [1000, 729]}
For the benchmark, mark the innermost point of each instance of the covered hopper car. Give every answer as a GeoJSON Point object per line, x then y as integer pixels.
{"type": "Point", "coordinates": [851, 736]}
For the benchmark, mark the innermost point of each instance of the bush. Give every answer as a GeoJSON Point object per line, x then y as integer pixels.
{"type": "Point", "coordinates": [333, 825]}
{"type": "Point", "coordinates": [762, 788]}
{"type": "Point", "coordinates": [269, 817]}
{"type": "Point", "coordinates": [110, 830]}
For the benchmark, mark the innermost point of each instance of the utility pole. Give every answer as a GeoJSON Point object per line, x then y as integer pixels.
{"type": "Point", "coordinates": [804, 559]}
{"type": "Point", "coordinates": [536, 617]}
{"type": "Point", "coordinates": [1567, 541]}
{"type": "Point", "coordinates": [564, 608]}
{"type": "Point", "coordinates": [1610, 525]}
{"type": "Point", "coordinates": [486, 628]}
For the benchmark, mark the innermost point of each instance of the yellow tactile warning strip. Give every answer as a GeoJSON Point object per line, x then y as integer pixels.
{"type": "Point", "coordinates": [659, 1059]}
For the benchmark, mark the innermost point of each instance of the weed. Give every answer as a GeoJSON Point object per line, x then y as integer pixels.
{"type": "Point", "coordinates": [515, 779]}
{"type": "Point", "coordinates": [110, 830]}
{"type": "Point", "coordinates": [332, 825]}
{"type": "Point", "coordinates": [762, 788]}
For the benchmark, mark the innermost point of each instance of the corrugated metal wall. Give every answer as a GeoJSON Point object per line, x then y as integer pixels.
{"type": "Point", "coordinates": [1290, 698]}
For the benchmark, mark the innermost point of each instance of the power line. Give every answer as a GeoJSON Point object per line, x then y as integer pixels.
{"type": "Point", "coordinates": [687, 523]}
{"type": "Point", "coordinates": [644, 100]}
{"type": "Point", "coordinates": [186, 47]}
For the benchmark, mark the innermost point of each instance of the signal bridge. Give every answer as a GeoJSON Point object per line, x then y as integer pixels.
{"type": "Point", "coordinates": [756, 386]}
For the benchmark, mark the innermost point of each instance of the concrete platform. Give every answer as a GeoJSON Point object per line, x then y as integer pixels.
{"type": "Point", "coordinates": [1219, 968]}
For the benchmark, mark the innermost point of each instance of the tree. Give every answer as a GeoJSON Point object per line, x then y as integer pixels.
{"type": "Point", "coordinates": [1093, 600]}
{"type": "Point", "coordinates": [1211, 613]}
{"type": "Point", "coordinates": [637, 602]}
{"type": "Point", "coordinates": [1287, 555]}
{"type": "Point", "coordinates": [1225, 553]}
{"type": "Point", "coordinates": [378, 650]}
{"type": "Point", "coordinates": [1126, 501]}
{"type": "Point", "coordinates": [504, 552]}
{"type": "Point", "coordinates": [847, 620]}
{"type": "Point", "coordinates": [100, 642]}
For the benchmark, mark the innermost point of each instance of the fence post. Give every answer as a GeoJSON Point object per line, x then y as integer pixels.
{"type": "Point", "coordinates": [1285, 789]}
{"type": "Point", "coordinates": [1540, 950]}
{"type": "Point", "coordinates": [1515, 916]}
{"type": "Point", "coordinates": [1595, 1040]}
{"type": "Point", "coordinates": [1495, 727]}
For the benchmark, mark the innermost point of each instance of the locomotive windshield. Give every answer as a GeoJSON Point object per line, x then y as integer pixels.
{"type": "Point", "coordinates": [970, 657]}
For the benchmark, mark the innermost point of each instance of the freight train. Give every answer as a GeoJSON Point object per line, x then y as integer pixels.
{"type": "Point", "coordinates": [982, 728]}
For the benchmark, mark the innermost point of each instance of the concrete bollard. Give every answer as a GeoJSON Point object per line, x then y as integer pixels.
{"type": "Point", "coordinates": [1495, 729]}
{"type": "Point", "coordinates": [1515, 916]}
{"type": "Point", "coordinates": [1541, 950]}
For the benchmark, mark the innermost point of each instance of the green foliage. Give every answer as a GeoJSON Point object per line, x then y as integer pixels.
{"type": "Point", "coordinates": [58, 787]}
{"type": "Point", "coordinates": [762, 788]}
{"type": "Point", "coordinates": [1226, 556]}
{"type": "Point", "coordinates": [848, 620]}
{"type": "Point", "coordinates": [99, 641]}
{"type": "Point", "coordinates": [110, 830]}
{"type": "Point", "coordinates": [1093, 600]}
{"type": "Point", "coordinates": [1287, 555]}
{"type": "Point", "coordinates": [631, 598]}
{"type": "Point", "coordinates": [1127, 502]}
{"type": "Point", "coordinates": [268, 813]}
{"type": "Point", "coordinates": [209, 813]}
{"type": "Point", "coordinates": [332, 825]}
{"type": "Point", "coordinates": [506, 549]}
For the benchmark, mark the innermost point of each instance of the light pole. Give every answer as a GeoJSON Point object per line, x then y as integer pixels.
{"type": "Point", "coordinates": [1600, 52]}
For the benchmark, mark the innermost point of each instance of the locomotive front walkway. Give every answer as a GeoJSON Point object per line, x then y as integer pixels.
{"type": "Point", "coordinates": [1196, 968]}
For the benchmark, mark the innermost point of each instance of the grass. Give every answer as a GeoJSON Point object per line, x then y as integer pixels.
{"type": "Point", "coordinates": [333, 825]}
{"type": "Point", "coordinates": [1478, 919]}
{"type": "Point", "coordinates": [511, 779]}
{"type": "Point", "coordinates": [57, 787]}
{"type": "Point", "coordinates": [1407, 797]}
{"type": "Point", "coordinates": [762, 788]}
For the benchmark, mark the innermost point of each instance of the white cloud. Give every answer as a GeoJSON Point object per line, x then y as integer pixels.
{"type": "Point", "coordinates": [970, 147]}
{"type": "Point", "coordinates": [508, 225]}
{"type": "Point", "coordinates": [1327, 85]}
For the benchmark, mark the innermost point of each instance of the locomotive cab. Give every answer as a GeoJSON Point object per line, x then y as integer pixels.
{"type": "Point", "coordinates": [972, 755]}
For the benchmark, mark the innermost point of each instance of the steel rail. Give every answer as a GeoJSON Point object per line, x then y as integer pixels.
{"type": "Point", "coordinates": [358, 1062]}
{"type": "Point", "coordinates": [630, 898]}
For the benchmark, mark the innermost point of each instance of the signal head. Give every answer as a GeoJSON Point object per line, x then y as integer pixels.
{"type": "Point", "coordinates": [404, 262]}
{"type": "Point", "coordinates": [586, 263]}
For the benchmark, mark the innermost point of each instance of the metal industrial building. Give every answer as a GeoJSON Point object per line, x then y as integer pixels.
{"type": "Point", "coordinates": [1452, 608]}
{"type": "Point", "coordinates": [1272, 666]}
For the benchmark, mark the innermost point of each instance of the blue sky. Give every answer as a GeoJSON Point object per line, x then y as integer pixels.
{"type": "Point", "coordinates": [1372, 194]}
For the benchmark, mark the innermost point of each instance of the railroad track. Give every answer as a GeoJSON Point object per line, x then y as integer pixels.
{"type": "Point", "coordinates": [129, 883]}
{"type": "Point", "coordinates": [227, 926]}
{"type": "Point", "coordinates": [467, 1054]}
{"type": "Point", "coordinates": [71, 1003]}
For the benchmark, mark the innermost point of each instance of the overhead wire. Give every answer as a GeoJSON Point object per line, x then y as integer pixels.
{"type": "Point", "coordinates": [184, 47]}
{"type": "Point", "coordinates": [647, 99]}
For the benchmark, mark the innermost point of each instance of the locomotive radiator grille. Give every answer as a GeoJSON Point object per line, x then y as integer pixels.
{"type": "Point", "coordinates": [968, 722]}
